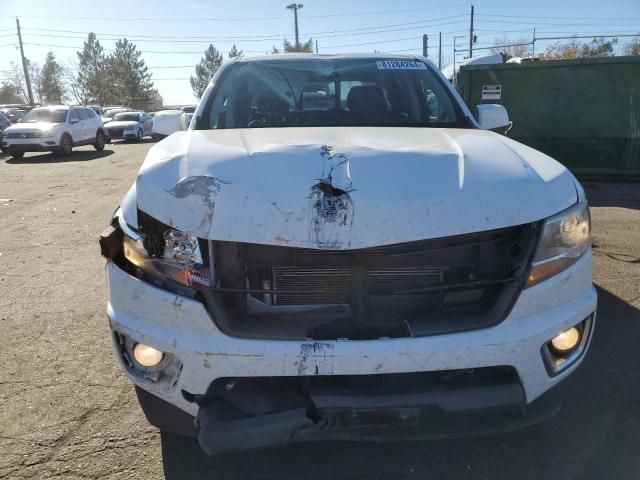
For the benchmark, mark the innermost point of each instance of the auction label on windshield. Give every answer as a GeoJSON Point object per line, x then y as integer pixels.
{"type": "Point", "coordinates": [400, 65]}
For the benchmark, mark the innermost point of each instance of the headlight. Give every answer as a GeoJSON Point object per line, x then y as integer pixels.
{"type": "Point", "coordinates": [565, 237]}
{"type": "Point", "coordinates": [44, 134]}
{"type": "Point", "coordinates": [181, 260]}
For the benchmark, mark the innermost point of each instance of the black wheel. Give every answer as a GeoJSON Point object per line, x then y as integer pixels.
{"type": "Point", "coordinates": [140, 136]}
{"type": "Point", "coordinates": [66, 145]}
{"type": "Point", "coordinates": [17, 155]}
{"type": "Point", "coordinates": [100, 141]}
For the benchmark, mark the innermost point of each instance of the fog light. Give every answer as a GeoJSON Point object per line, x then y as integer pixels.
{"type": "Point", "coordinates": [567, 341]}
{"type": "Point", "coordinates": [147, 356]}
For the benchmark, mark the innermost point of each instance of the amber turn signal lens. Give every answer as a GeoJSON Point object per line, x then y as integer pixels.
{"type": "Point", "coordinates": [546, 270]}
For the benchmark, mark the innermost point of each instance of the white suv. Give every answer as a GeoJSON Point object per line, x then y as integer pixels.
{"type": "Point", "coordinates": [56, 129]}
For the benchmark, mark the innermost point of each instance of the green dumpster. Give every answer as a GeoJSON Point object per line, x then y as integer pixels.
{"type": "Point", "coordinates": [584, 113]}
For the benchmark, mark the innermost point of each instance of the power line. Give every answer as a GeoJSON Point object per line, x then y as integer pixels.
{"type": "Point", "coordinates": [251, 40]}
{"type": "Point", "coordinates": [542, 23]}
{"type": "Point", "coordinates": [354, 31]}
{"type": "Point", "coordinates": [224, 19]}
{"type": "Point", "coordinates": [199, 52]}
{"type": "Point", "coordinates": [602, 19]}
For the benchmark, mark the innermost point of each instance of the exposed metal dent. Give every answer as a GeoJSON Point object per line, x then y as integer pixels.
{"type": "Point", "coordinates": [331, 206]}
{"type": "Point", "coordinates": [204, 186]}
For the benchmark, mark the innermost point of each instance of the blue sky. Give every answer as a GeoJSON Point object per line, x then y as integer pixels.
{"type": "Point", "coordinates": [173, 34]}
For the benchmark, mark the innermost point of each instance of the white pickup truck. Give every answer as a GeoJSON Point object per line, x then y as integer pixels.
{"type": "Point", "coordinates": [338, 249]}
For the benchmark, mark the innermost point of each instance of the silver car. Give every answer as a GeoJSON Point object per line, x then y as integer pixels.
{"type": "Point", "coordinates": [130, 126]}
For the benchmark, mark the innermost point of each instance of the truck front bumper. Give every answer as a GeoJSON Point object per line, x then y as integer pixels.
{"type": "Point", "coordinates": [202, 359]}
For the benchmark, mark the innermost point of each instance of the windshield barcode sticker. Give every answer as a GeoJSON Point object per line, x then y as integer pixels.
{"type": "Point", "coordinates": [400, 65]}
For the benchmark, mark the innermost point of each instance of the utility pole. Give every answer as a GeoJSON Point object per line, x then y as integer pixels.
{"type": "Point", "coordinates": [440, 52]}
{"type": "Point", "coordinates": [295, 7]}
{"type": "Point", "coordinates": [24, 64]}
{"type": "Point", "coordinates": [533, 43]}
{"type": "Point", "coordinates": [425, 45]}
{"type": "Point", "coordinates": [455, 40]}
{"type": "Point", "coordinates": [316, 46]}
{"type": "Point", "coordinates": [471, 35]}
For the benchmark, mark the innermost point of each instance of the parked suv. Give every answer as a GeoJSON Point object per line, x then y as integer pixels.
{"type": "Point", "coordinates": [337, 248]}
{"type": "Point", "coordinates": [4, 123]}
{"type": "Point", "coordinates": [56, 129]}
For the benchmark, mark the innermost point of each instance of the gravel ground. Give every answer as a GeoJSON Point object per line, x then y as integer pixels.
{"type": "Point", "coordinates": [68, 412]}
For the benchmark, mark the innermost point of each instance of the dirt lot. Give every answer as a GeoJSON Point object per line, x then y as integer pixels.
{"type": "Point", "coordinates": [68, 412]}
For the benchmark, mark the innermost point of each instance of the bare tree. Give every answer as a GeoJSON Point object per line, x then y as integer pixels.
{"type": "Point", "coordinates": [598, 47]}
{"type": "Point", "coordinates": [511, 48]}
{"type": "Point", "coordinates": [632, 47]}
{"type": "Point", "coordinates": [16, 77]}
{"type": "Point", "coordinates": [76, 88]}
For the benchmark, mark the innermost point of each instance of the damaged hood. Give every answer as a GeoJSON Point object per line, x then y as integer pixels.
{"type": "Point", "coordinates": [347, 187]}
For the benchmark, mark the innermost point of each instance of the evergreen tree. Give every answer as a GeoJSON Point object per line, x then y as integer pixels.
{"type": "Point", "coordinates": [288, 47]}
{"type": "Point", "coordinates": [9, 93]}
{"type": "Point", "coordinates": [92, 71]}
{"type": "Point", "coordinates": [131, 76]}
{"type": "Point", "coordinates": [52, 85]}
{"type": "Point", "coordinates": [234, 52]}
{"type": "Point", "coordinates": [205, 69]}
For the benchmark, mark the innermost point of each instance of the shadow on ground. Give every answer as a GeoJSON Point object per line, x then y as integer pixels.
{"type": "Point", "coordinates": [613, 194]}
{"type": "Point", "coordinates": [76, 156]}
{"type": "Point", "coordinates": [119, 141]}
{"type": "Point", "coordinates": [593, 437]}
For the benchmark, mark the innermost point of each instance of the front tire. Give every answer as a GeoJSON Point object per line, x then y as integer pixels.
{"type": "Point", "coordinates": [66, 146]}
{"type": "Point", "coordinates": [100, 141]}
{"type": "Point", "coordinates": [140, 136]}
{"type": "Point", "coordinates": [17, 155]}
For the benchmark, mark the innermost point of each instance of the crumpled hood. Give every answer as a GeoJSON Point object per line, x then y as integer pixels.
{"type": "Point", "coordinates": [348, 187]}
{"type": "Point", "coordinates": [121, 124]}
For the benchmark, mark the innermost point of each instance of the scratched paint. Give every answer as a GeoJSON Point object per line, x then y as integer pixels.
{"type": "Point", "coordinates": [313, 350]}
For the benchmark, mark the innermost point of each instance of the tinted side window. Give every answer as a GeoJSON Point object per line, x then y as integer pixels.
{"type": "Point", "coordinates": [73, 116]}
{"type": "Point", "coordinates": [84, 115]}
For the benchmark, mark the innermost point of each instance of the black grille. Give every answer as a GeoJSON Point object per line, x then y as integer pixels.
{"type": "Point", "coordinates": [327, 285]}
{"type": "Point", "coordinates": [410, 289]}
{"type": "Point", "coordinates": [22, 134]}
{"type": "Point", "coordinates": [115, 132]}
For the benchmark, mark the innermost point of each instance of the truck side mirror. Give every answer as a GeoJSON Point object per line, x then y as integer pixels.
{"type": "Point", "coordinates": [492, 116]}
